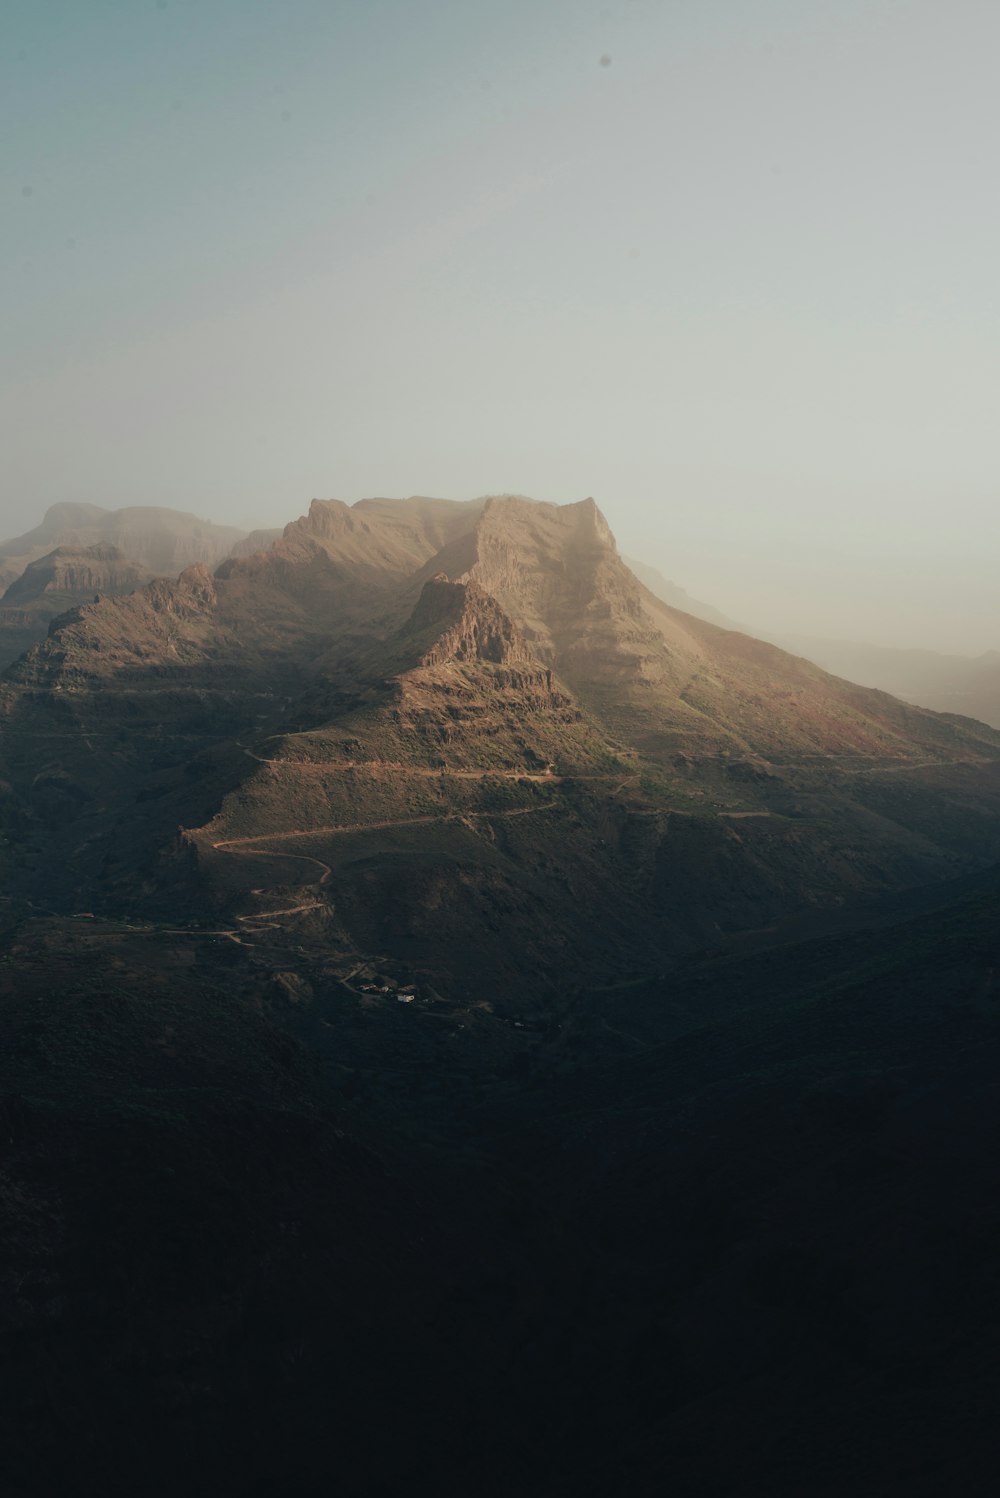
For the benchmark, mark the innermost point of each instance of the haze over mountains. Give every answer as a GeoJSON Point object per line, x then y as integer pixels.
{"type": "Point", "coordinates": [56, 582]}
{"type": "Point", "coordinates": [969, 685]}
{"type": "Point", "coordinates": [165, 541]}
{"type": "Point", "coordinates": [426, 949]}
{"type": "Point", "coordinates": [422, 663]}
{"type": "Point", "coordinates": [79, 550]}
{"type": "Point", "coordinates": [499, 997]}
{"type": "Point", "coordinates": [678, 597]}
{"type": "Point", "coordinates": [161, 542]}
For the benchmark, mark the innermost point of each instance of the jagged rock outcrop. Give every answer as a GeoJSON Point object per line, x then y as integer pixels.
{"type": "Point", "coordinates": [469, 624]}
{"type": "Point", "coordinates": [672, 683]}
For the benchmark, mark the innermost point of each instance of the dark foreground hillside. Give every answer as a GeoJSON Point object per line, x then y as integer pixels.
{"type": "Point", "coordinates": [733, 1232]}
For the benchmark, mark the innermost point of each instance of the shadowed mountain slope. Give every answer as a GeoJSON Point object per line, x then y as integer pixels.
{"type": "Point", "coordinates": [451, 787]}
{"type": "Point", "coordinates": [728, 1230]}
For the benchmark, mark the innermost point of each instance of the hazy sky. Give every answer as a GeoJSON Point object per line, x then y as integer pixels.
{"type": "Point", "coordinates": [730, 266]}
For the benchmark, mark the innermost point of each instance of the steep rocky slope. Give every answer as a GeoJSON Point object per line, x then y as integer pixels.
{"type": "Point", "coordinates": [458, 789]}
{"type": "Point", "coordinates": [671, 682]}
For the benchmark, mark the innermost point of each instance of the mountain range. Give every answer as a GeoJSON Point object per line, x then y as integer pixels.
{"type": "Point", "coordinates": [81, 550]}
{"type": "Point", "coordinates": [468, 1023]}
{"type": "Point", "coordinates": [424, 684]}
{"type": "Point", "coordinates": [163, 541]}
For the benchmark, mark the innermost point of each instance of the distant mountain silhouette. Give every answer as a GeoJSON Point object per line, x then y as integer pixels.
{"type": "Point", "coordinates": [969, 685]}
{"type": "Point", "coordinates": [678, 597]}
{"type": "Point", "coordinates": [162, 540]}
{"type": "Point", "coordinates": [258, 540]}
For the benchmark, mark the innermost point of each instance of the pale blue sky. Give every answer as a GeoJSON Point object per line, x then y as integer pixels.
{"type": "Point", "coordinates": [739, 282]}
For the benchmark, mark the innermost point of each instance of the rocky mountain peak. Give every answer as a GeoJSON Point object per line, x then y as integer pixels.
{"type": "Point", "coordinates": [327, 518]}
{"type": "Point", "coordinates": [555, 569]}
{"type": "Point", "coordinates": [193, 591]}
{"type": "Point", "coordinates": [469, 625]}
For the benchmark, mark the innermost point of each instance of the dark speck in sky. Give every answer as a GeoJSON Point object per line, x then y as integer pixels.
{"type": "Point", "coordinates": [606, 60]}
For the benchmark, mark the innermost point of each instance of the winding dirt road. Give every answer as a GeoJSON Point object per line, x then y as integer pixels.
{"type": "Point", "coordinates": [250, 847]}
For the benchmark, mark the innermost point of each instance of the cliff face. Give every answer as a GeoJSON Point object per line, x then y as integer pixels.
{"type": "Point", "coordinates": [69, 575]}
{"type": "Point", "coordinates": [469, 626]}
{"type": "Point", "coordinates": [557, 570]}
{"type": "Point", "coordinates": [668, 682]}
